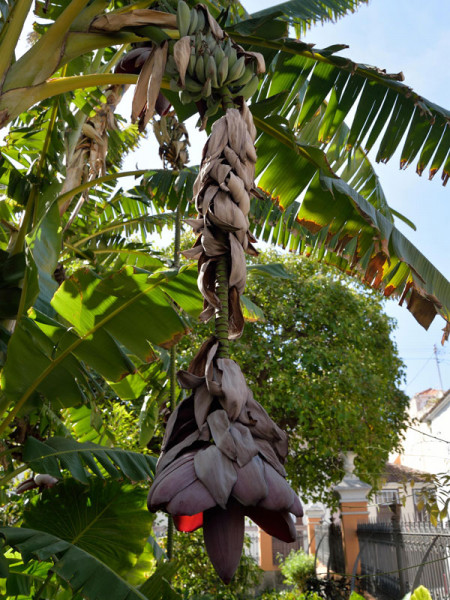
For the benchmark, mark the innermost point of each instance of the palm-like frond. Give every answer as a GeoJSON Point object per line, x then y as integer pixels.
{"type": "Point", "coordinates": [305, 14]}
{"type": "Point", "coordinates": [109, 220]}
{"type": "Point", "coordinates": [65, 453]}
{"type": "Point", "coordinates": [318, 212]}
{"type": "Point", "coordinates": [385, 109]}
{"type": "Point", "coordinates": [338, 226]}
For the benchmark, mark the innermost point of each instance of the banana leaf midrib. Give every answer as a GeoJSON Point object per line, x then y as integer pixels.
{"type": "Point", "coordinates": [346, 64]}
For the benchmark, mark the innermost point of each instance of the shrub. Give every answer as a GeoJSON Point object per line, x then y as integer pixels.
{"type": "Point", "coordinates": [286, 595]}
{"type": "Point", "coordinates": [196, 578]}
{"type": "Point", "coordinates": [329, 588]}
{"type": "Point", "coordinates": [297, 568]}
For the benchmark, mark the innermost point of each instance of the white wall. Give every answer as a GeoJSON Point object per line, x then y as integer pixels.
{"type": "Point", "coordinates": [426, 453]}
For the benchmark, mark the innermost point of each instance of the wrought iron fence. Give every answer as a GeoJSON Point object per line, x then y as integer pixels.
{"type": "Point", "coordinates": [329, 547]}
{"type": "Point", "coordinates": [398, 557]}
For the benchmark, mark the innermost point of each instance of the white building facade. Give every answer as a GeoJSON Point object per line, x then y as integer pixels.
{"type": "Point", "coordinates": [427, 443]}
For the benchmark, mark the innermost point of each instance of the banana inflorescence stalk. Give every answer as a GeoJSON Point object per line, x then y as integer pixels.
{"type": "Point", "coordinates": [222, 456]}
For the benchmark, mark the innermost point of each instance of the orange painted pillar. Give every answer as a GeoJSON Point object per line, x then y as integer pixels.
{"type": "Point", "coordinates": [353, 503]}
{"type": "Point", "coordinates": [265, 552]}
{"type": "Point", "coordinates": [315, 514]}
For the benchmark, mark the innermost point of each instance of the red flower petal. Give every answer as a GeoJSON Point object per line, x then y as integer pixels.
{"type": "Point", "coordinates": [188, 523]}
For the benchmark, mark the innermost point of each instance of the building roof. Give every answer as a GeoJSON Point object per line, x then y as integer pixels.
{"type": "Point", "coordinates": [400, 473]}
{"type": "Point", "coordinates": [436, 406]}
{"type": "Point", "coordinates": [424, 401]}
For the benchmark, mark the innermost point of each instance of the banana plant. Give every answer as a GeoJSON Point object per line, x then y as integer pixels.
{"type": "Point", "coordinates": [94, 326]}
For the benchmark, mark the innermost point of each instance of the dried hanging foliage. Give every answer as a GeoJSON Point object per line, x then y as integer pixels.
{"type": "Point", "coordinates": [88, 160]}
{"type": "Point", "coordinates": [222, 197]}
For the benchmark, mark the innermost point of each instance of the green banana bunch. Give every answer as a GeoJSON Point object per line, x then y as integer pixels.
{"type": "Point", "coordinates": [214, 64]}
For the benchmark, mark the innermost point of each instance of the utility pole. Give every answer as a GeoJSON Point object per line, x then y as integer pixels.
{"type": "Point", "coordinates": [437, 364]}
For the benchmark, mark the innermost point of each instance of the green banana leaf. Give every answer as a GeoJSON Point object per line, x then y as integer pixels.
{"type": "Point", "coordinates": [85, 573]}
{"type": "Point", "coordinates": [24, 580]}
{"type": "Point", "coordinates": [336, 221]}
{"type": "Point", "coordinates": [58, 453]}
{"type": "Point", "coordinates": [380, 102]}
{"type": "Point", "coordinates": [131, 310]}
{"type": "Point", "coordinates": [108, 520]}
{"type": "Point", "coordinates": [306, 14]}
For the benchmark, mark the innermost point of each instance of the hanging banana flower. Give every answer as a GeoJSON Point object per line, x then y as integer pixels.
{"type": "Point", "coordinates": [87, 159]}
{"type": "Point", "coordinates": [173, 140]}
{"type": "Point", "coordinates": [222, 456]}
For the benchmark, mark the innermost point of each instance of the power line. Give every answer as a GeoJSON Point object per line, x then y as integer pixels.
{"type": "Point", "coordinates": [417, 374]}
{"type": "Point", "coordinates": [429, 435]}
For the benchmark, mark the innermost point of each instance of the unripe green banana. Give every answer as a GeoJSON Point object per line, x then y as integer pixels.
{"type": "Point", "coordinates": [218, 55]}
{"type": "Point", "coordinates": [237, 70]}
{"type": "Point", "coordinates": [197, 97]}
{"type": "Point", "coordinates": [250, 88]}
{"type": "Point", "coordinates": [185, 97]}
{"type": "Point", "coordinates": [171, 67]}
{"type": "Point", "coordinates": [192, 86]}
{"type": "Point", "coordinates": [232, 57]}
{"type": "Point", "coordinates": [245, 77]}
{"type": "Point", "coordinates": [201, 20]}
{"type": "Point", "coordinates": [222, 71]}
{"type": "Point", "coordinates": [211, 41]}
{"type": "Point", "coordinates": [193, 22]}
{"type": "Point", "coordinates": [198, 43]}
{"type": "Point", "coordinates": [211, 71]}
{"type": "Point", "coordinates": [213, 107]}
{"type": "Point", "coordinates": [191, 65]}
{"type": "Point", "coordinates": [227, 47]}
{"type": "Point", "coordinates": [200, 69]}
{"type": "Point", "coordinates": [183, 18]}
